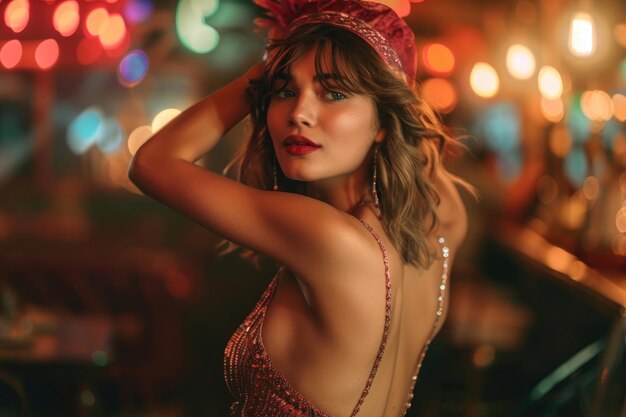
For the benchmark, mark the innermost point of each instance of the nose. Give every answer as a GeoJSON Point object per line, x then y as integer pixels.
{"type": "Point", "coordinates": [303, 113]}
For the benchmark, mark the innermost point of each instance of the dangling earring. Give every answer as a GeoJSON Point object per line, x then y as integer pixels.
{"type": "Point", "coordinates": [374, 190]}
{"type": "Point", "coordinates": [275, 187]}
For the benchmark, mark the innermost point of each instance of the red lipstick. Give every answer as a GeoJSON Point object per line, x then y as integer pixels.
{"type": "Point", "coordinates": [299, 145]}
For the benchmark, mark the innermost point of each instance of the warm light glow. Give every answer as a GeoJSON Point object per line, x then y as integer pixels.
{"type": "Point", "coordinates": [591, 188]}
{"type": "Point", "coordinates": [401, 7]}
{"type": "Point", "coordinates": [582, 36]}
{"type": "Point", "coordinates": [95, 19]}
{"type": "Point", "coordinates": [441, 94]}
{"type": "Point", "coordinates": [620, 220]}
{"type": "Point", "coordinates": [112, 32]}
{"type": "Point", "coordinates": [11, 53]}
{"type": "Point", "coordinates": [520, 62]}
{"type": "Point", "coordinates": [550, 82]}
{"type": "Point", "coordinates": [438, 59]}
{"type": "Point", "coordinates": [547, 190]}
{"type": "Point", "coordinates": [484, 80]}
{"type": "Point", "coordinates": [16, 15]}
{"type": "Point", "coordinates": [163, 118]}
{"type": "Point", "coordinates": [552, 109]}
{"type": "Point", "coordinates": [66, 18]}
{"type": "Point", "coordinates": [597, 105]}
{"type": "Point", "coordinates": [88, 51]}
{"type": "Point", "coordinates": [560, 141]}
{"type": "Point", "coordinates": [47, 53]}
{"type": "Point", "coordinates": [138, 137]}
{"type": "Point", "coordinates": [619, 107]}
{"type": "Point", "coordinates": [620, 34]}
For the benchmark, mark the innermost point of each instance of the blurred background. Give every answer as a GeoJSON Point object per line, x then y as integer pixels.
{"type": "Point", "coordinates": [114, 305]}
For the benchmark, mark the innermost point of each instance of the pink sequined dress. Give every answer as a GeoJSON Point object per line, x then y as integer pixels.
{"type": "Point", "coordinates": [259, 388]}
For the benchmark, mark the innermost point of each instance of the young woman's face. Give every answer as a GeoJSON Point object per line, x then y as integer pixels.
{"type": "Point", "coordinates": [319, 133]}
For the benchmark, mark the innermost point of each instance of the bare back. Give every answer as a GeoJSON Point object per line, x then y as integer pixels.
{"type": "Point", "coordinates": [325, 347]}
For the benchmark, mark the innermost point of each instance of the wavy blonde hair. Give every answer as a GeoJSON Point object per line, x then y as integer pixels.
{"type": "Point", "coordinates": [412, 149]}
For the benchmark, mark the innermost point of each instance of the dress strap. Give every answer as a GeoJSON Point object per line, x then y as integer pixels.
{"type": "Point", "coordinates": [383, 343]}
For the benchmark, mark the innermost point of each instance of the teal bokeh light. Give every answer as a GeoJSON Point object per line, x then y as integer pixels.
{"type": "Point", "coordinates": [576, 166]}
{"type": "Point", "coordinates": [578, 125]}
{"type": "Point", "coordinates": [191, 27]}
{"type": "Point", "coordinates": [499, 125]}
{"type": "Point", "coordinates": [112, 137]}
{"type": "Point", "coordinates": [85, 130]}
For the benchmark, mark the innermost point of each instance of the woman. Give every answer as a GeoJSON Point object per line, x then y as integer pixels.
{"type": "Point", "coordinates": [341, 183]}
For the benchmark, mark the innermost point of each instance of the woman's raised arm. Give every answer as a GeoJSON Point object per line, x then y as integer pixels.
{"type": "Point", "coordinates": [272, 223]}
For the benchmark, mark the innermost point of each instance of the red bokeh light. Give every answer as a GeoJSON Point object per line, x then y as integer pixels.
{"type": "Point", "coordinates": [66, 18]}
{"type": "Point", "coordinates": [47, 54]}
{"type": "Point", "coordinates": [11, 53]}
{"type": "Point", "coordinates": [17, 14]}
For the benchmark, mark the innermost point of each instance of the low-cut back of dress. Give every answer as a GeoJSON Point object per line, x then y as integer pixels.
{"type": "Point", "coordinates": [260, 389]}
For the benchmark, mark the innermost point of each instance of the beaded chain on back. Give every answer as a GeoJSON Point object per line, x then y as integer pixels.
{"type": "Point", "coordinates": [442, 289]}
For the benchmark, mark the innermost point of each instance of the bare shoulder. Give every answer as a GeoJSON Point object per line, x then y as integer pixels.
{"type": "Point", "coordinates": [451, 210]}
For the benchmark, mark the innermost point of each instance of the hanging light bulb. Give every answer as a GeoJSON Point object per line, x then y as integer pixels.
{"type": "Point", "coordinates": [582, 35]}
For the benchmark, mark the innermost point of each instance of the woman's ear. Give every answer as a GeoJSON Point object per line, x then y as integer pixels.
{"type": "Point", "coordinates": [380, 135]}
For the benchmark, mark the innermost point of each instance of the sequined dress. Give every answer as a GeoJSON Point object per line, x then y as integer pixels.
{"type": "Point", "coordinates": [260, 390]}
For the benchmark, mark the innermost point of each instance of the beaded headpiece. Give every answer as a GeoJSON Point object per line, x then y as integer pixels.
{"type": "Point", "coordinates": [377, 24]}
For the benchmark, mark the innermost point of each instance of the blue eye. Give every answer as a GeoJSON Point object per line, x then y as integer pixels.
{"type": "Point", "coordinates": [336, 96]}
{"type": "Point", "coordinates": [283, 93]}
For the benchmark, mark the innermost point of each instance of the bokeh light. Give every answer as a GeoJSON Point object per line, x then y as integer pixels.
{"type": "Point", "coordinates": [550, 82]}
{"type": "Point", "coordinates": [578, 125]}
{"type": "Point", "coordinates": [137, 11]}
{"type": "Point", "coordinates": [11, 53]}
{"type": "Point", "coordinates": [17, 14]}
{"type": "Point", "coordinates": [438, 59]}
{"type": "Point", "coordinates": [440, 93]}
{"type": "Point", "coordinates": [95, 20]}
{"type": "Point", "coordinates": [576, 166]}
{"type": "Point", "coordinates": [500, 126]}
{"type": "Point", "coordinates": [112, 136]}
{"type": "Point", "coordinates": [484, 80]}
{"type": "Point", "coordinates": [191, 27]}
{"type": "Point", "coordinates": [47, 54]}
{"type": "Point", "coordinates": [66, 18]}
{"type": "Point", "coordinates": [112, 31]}
{"type": "Point", "coordinates": [597, 105]}
{"type": "Point", "coordinates": [520, 62]}
{"type": "Point", "coordinates": [133, 68]}
{"type": "Point", "coordinates": [610, 131]}
{"type": "Point", "coordinates": [163, 118]}
{"type": "Point", "coordinates": [138, 137]}
{"type": "Point", "coordinates": [582, 36]}
{"type": "Point", "coordinates": [552, 109]}
{"type": "Point", "coordinates": [619, 107]}
{"type": "Point", "coordinates": [591, 188]}
{"type": "Point", "coordinates": [85, 130]}
{"type": "Point", "coordinates": [560, 141]}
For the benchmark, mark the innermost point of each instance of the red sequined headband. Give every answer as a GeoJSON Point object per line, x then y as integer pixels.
{"type": "Point", "coordinates": [379, 25]}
